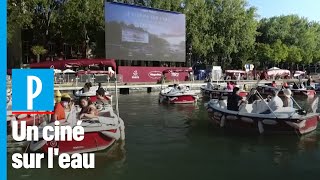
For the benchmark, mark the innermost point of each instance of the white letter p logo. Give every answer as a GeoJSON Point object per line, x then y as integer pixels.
{"type": "Point", "coordinates": [30, 94]}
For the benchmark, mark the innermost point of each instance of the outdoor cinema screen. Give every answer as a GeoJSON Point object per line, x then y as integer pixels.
{"type": "Point", "coordinates": [138, 33]}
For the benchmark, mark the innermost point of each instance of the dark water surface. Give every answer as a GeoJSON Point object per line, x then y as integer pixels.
{"type": "Point", "coordinates": [176, 142]}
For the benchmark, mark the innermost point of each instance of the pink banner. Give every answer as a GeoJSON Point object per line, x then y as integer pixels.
{"type": "Point", "coordinates": [150, 74]}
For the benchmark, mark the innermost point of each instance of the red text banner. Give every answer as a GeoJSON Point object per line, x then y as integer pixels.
{"type": "Point", "coordinates": [150, 74]}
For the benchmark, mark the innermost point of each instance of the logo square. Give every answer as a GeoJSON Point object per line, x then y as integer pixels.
{"type": "Point", "coordinates": [32, 90]}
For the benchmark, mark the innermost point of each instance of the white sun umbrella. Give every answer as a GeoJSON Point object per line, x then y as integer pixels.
{"type": "Point", "coordinates": [68, 71]}
{"type": "Point", "coordinates": [274, 68]}
{"type": "Point", "coordinates": [57, 71]}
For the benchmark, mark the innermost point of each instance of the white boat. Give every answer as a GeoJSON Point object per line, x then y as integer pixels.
{"type": "Point", "coordinates": [179, 95]}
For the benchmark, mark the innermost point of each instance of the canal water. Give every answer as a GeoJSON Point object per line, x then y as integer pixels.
{"type": "Point", "coordinates": [176, 142]}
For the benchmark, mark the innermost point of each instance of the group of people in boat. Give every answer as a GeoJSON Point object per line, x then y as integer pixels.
{"type": "Point", "coordinates": [177, 88]}
{"type": "Point", "coordinates": [259, 105]}
{"type": "Point", "coordinates": [88, 110]}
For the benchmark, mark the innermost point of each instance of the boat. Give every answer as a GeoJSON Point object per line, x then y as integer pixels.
{"type": "Point", "coordinates": [100, 133]}
{"type": "Point", "coordinates": [30, 119]}
{"type": "Point", "coordinates": [91, 94]}
{"type": "Point", "coordinates": [177, 94]}
{"type": "Point", "coordinates": [266, 90]}
{"type": "Point", "coordinates": [92, 91]}
{"type": "Point", "coordinates": [216, 91]}
{"type": "Point", "coordinates": [286, 120]}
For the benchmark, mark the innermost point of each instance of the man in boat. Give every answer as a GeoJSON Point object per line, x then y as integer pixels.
{"type": "Point", "coordinates": [101, 100]}
{"type": "Point", "coordinates": [234, 101]}
{"type": "Point", "coordinates": [275, 102]}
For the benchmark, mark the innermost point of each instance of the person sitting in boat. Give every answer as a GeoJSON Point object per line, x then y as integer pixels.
{"type": "Point", "coordinates": [86, 87]}
{"type": "Point", "coordinates": [275, 103]}
{"type": "Point", "coordinates": [67, 103]}
{"type": "Point", "coordinates": [259, 105]}
{"type": "Point", "coordinates": [234, 100]}
{"type": "Point", "coordinates": [295, 86]}
{"type": "Point", "coordinates": [88, 110]}
{"type": "Point", "coordinates": [287, 98]}
{"type": "Point", "coordinates": [175, 88]}
{"type": "Point", "coordinates": [230, 86]}
{"type": "Point", "coordinates": [274, 84]}
{"type": "Point", "coordinates": [60, 108]}
{"type": "Point", "coordinates": [309, 81]}
{"type": "Point", "coordinates": [101, 100]}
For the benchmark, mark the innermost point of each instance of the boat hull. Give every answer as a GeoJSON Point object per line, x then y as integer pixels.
{"type": "Point", "coordinates": [261, 125]}
{"type": "Point", "coordinates": [92, 142]}
{"type": "Point", "coordinates": [181, 99]}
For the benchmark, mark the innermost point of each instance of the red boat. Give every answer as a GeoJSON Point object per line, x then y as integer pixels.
{"type": "Point", "coordinates": [284, 121]}
{"type": "Point", "coordinates": [177, 95]}
{"type": "Point", "coordinates": [31, 120]}
{"type": "Point", "coordinates": [100, 133]}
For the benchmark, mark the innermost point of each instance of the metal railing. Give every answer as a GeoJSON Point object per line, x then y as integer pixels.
{"type": "Point", "coordinates": [75, 80]}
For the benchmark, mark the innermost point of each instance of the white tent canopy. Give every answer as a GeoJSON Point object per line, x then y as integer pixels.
{"type": "Point", "coordinates": [57, 71]}
{"type": "Point", "coordinates": [277, 71]}
{"type": "Point", "coordinates": [68, 71]}
{"type": "Point", "coordinates": [274, 68]}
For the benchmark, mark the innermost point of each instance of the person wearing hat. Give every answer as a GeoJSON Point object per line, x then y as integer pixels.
{"type": "Point", "coordinates": [287, 98]}
{"type": "Point", "coordinates": [61, 107]}
{"type": "Point", "coordinates": [234, 100]}
{"type": "Point", "coordinates": [57, 96]}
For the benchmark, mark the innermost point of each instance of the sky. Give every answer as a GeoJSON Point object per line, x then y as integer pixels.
{"type": "Point", "coordinates": [304, 8]}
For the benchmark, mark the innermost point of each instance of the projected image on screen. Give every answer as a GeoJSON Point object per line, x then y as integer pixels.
{"type": "Point", "coordinates": [136, 33]}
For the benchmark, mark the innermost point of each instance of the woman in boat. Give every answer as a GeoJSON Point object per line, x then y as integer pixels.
{"type": "Point", "coordinates": [61, 107]}
{"type": "Point", "coordinates": [101, 100]}
{"type": "Point", "coordinates": [88, 110]}
{"type": "Point", "coordinates": [86, 87]}
{"type": "Point", "coordinates": [287, 98]}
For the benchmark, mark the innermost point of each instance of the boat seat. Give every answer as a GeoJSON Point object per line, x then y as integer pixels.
{"type": "Point", "coordinates": [223, 104]}
{"type": "Point", "coordinates": [245, 108]}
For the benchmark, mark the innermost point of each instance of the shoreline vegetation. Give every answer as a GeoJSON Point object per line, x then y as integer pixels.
{"type": "Point", "coordinates": [225, 33]}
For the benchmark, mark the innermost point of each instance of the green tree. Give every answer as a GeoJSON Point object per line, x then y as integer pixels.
{"type": "Point", "coordinates": [232, 28]}
{"type": "Point", "coordinates": [38, 51]}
